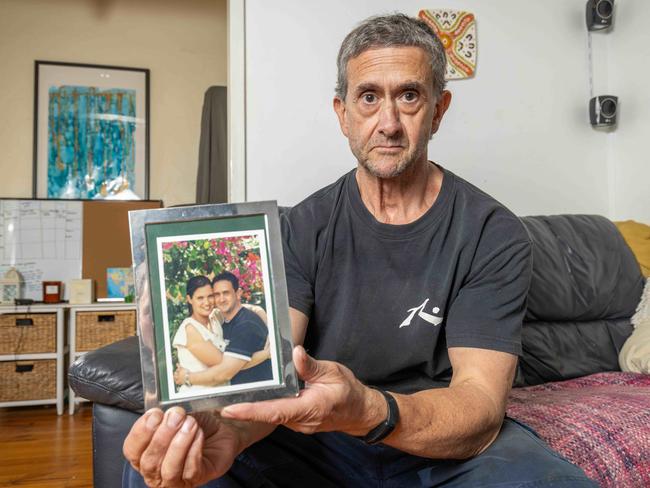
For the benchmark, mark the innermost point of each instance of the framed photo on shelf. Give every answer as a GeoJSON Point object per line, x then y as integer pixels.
{"type": "Point", "coordinates": [91, 131]}
{"type": "Point", "coordinates": [213, 312]}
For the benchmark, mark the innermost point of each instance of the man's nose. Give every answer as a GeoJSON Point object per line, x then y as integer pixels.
{"type": "Point", "coordinates": [389, 124]}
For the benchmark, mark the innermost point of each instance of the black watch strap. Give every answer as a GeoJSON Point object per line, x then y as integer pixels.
{"type": "Point", "coordinates": [384, 429]}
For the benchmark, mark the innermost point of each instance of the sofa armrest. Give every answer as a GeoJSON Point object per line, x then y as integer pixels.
{"type": "Point", "coordinates": [110, 427]}
{"type": "Point", "coordinates": [110, 375]}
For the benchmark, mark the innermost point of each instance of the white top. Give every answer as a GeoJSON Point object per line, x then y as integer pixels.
{"type": "Point", "coordinates": [186, 359]}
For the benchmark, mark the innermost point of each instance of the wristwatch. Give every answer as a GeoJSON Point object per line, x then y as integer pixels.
{"type": "Point", "coordinates": [187, 378]}
{"type": "Point", "coordinates": [384, 429]}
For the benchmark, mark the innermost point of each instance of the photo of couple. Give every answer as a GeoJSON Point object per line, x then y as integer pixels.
{"type": "Point", "coordinates": [218, 332]}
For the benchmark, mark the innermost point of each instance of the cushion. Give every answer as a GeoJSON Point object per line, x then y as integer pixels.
{"type": "Point", "coordinates": [110, 375]}
{"type": "Point", "coordinates": [556, 351]}
{"type": "Point", "coordinates": [637, 236]}
{"type": "Point", "coordinates": [582, 270]}
{"type": "Point", "coordinates": [635, 354]}
{"type": "Point", "coordinates": [600, 422]}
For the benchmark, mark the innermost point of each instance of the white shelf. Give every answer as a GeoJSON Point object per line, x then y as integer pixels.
{"type": "Point", "coordinates": [61, 349]}
{"type": "Point", "coordinates": [73, 399]}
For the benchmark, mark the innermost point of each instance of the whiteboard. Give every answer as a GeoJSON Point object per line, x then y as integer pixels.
{"type": "Point", "coordinates": [42, 239]}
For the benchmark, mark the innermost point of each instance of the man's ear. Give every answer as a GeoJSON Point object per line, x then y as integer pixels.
{"type": "Point", "coordinates": [441, 107]}
{"type": "Point", "coordinates": [341, 113]}
{"type": "Point", "coordinates": [238, 292]}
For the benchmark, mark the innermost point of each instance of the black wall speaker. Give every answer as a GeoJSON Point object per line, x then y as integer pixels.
{"type": "Point", "coordinates": [602, 110]}
{"type": "Point", "coordinates": [600, 14]}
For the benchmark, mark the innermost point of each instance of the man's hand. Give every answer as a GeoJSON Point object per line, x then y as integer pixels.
{"type": "Point", "coordinates": [178, 450]}
{"type": "Point", "coordinates": [333, 400]}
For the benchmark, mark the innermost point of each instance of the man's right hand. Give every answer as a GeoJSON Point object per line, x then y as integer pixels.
{"type": "Point", "coordinates": [178, 450]}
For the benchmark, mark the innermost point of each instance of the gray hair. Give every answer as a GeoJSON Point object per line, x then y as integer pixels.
{"type": "Point", "coordinates": [391, 31]}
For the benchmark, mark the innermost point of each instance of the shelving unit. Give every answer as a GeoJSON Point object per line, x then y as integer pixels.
{"type": "Point", "coordinates": [26, 357]}
{"type": "Point", "coordinates": [96, 325]}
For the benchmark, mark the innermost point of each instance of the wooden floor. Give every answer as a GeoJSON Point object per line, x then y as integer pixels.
{"type": "Point", "coordinates": [39, 448]}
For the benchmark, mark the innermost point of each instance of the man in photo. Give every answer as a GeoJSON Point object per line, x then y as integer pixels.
{"type": "Point", "coordinates": [244, 333]}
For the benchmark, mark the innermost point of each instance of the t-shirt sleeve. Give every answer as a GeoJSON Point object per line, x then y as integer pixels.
{"type": "Point", "coordinates": [245, 340]}
{"type": "Point", "coordinates": [297, 249]}
{"type": "Point", "coordinates": [489, 309]}
{"type": "Point", "coordinates": [180, 338]}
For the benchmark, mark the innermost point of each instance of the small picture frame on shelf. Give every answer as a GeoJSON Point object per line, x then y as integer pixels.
{"type": "Point", "coordinates": [91, 132]}
{"type": "Point", "coordinates": [212, 275]}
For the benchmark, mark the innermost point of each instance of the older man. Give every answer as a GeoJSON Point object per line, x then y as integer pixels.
{"type": "Point", "coordinates": [401, 275]}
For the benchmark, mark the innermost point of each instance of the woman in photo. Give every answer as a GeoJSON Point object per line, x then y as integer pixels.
{"type": "Point", "coordinates": [199, 339]}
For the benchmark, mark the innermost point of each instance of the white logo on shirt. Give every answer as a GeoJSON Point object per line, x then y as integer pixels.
{"type": "Point", "coordinates": [432, 319]}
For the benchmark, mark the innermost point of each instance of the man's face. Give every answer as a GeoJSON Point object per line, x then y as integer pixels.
{"type": "Point", "coordinates": [226, 298]}
{"type": "Point", "coordinates": [390, 111]}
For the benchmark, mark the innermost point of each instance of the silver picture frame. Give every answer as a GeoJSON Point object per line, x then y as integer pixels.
{"type": "Point", "coordinates": [154, 236]}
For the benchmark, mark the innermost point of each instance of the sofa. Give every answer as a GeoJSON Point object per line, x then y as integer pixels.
{"type": "Point", "coordinates": [585, 287]}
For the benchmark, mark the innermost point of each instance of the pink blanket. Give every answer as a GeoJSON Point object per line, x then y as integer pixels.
{"type": "Point", "coordinates": [600, 422]}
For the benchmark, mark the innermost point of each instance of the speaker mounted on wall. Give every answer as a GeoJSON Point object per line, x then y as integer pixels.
{"type": "Point", "coordinates": [600, 14]}
{"type": "Point", "coordinates": [602, 111]}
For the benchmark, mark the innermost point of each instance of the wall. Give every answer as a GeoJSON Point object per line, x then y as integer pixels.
{"type": "Point", "coordinates": [519, 129]}
{"type": "Point", "coordinates": [182, 43]}
{"type": "Point", "coordinates": [629, 51]}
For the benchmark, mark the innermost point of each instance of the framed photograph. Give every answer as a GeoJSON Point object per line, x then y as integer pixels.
{"type": "Point", "coordinates": [213, 313]}
{"type": "Point", "coordinates": [91, 131]}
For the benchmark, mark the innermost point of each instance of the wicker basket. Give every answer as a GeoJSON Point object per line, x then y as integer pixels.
{"type": "Point", "coordinates": [97, 329]}
{"type": "Point", "coordinates": [27, 380]}
{"type": "Point", "coordinates": [27, 333]}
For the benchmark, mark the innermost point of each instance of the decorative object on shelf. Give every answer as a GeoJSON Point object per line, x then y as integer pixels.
{"type": "Point", "coordinates": [457, 31]}
{"type": "Point", "coordinates": [10, 286]}
{"type": "Point", "coordinates": [81, 291]}
{"type": "Point", "coordinates": [52, 291]}
{"type": "Point", "coordinates": [119, 283]}
{"type": "Point", "coordinates": [91, 132]}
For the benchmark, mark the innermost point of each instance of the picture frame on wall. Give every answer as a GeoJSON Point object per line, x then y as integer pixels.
{"type": "Point", "coordinates": [91, 131]}
{"type": "Point", "coordinates": [212, 274]}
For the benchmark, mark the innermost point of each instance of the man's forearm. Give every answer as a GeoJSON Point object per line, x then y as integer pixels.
{"type": "Point", "coordinates": [212, 376]}
{"type": "Point", "coordinates": [447, 423]}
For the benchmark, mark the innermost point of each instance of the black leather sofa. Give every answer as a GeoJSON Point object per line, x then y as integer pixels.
{"type": "Point", "coordinates": [586, 284]}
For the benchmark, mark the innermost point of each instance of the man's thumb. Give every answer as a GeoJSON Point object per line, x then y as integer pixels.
{"type": "Point", "coordinates": [308, 368]}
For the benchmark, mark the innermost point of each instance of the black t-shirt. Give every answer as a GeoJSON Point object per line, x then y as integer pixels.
{"type": "Point", "coordinates": [387, 300]}
{"type": "Point", "coordinates": [246, 334]}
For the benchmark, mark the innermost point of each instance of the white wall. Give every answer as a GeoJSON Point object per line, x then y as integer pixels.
{"type": "Point", "coordinates": [182, 43]}
{"type": "Point", "coordinates": [629, 67]}
{"type": "Point", "coordinates": [518, 129]}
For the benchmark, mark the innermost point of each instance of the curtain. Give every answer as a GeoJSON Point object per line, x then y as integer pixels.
{"type": "Point", "coordinates": [212, 175]}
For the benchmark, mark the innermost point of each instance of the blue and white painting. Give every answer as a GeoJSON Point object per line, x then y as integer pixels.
{"type": "Point", "coordinates": [91, 143]}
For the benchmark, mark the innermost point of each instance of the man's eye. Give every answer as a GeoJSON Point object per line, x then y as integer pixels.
{"type": "Point", "coordinates": [369, 98]}
{"type": "Point", "coordinates": [410, 96]}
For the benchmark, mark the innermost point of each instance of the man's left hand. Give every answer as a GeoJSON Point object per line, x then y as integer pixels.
{"type": "Point", "coordinates": [333, 400]}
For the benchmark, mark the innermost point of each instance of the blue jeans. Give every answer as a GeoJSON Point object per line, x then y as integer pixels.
{"type": "Point", "coordinates": [517, 458]}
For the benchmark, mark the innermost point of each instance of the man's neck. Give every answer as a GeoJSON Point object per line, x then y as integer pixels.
{"type": "Point", "coordinates": [403, 199]}
{"type": "Point", "coordinates": [232, 314]}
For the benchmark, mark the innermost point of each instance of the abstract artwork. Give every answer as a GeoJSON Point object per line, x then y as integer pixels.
{"type": "Point", "coordinates": [457, 31]}
{"type": "Point", "coordinates": [91, 132]}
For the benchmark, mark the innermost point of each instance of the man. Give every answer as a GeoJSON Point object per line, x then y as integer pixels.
{"type": "Point", "coordinates": [402, 276]}
{"type": "Point", "coordinates": [245, 334]}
